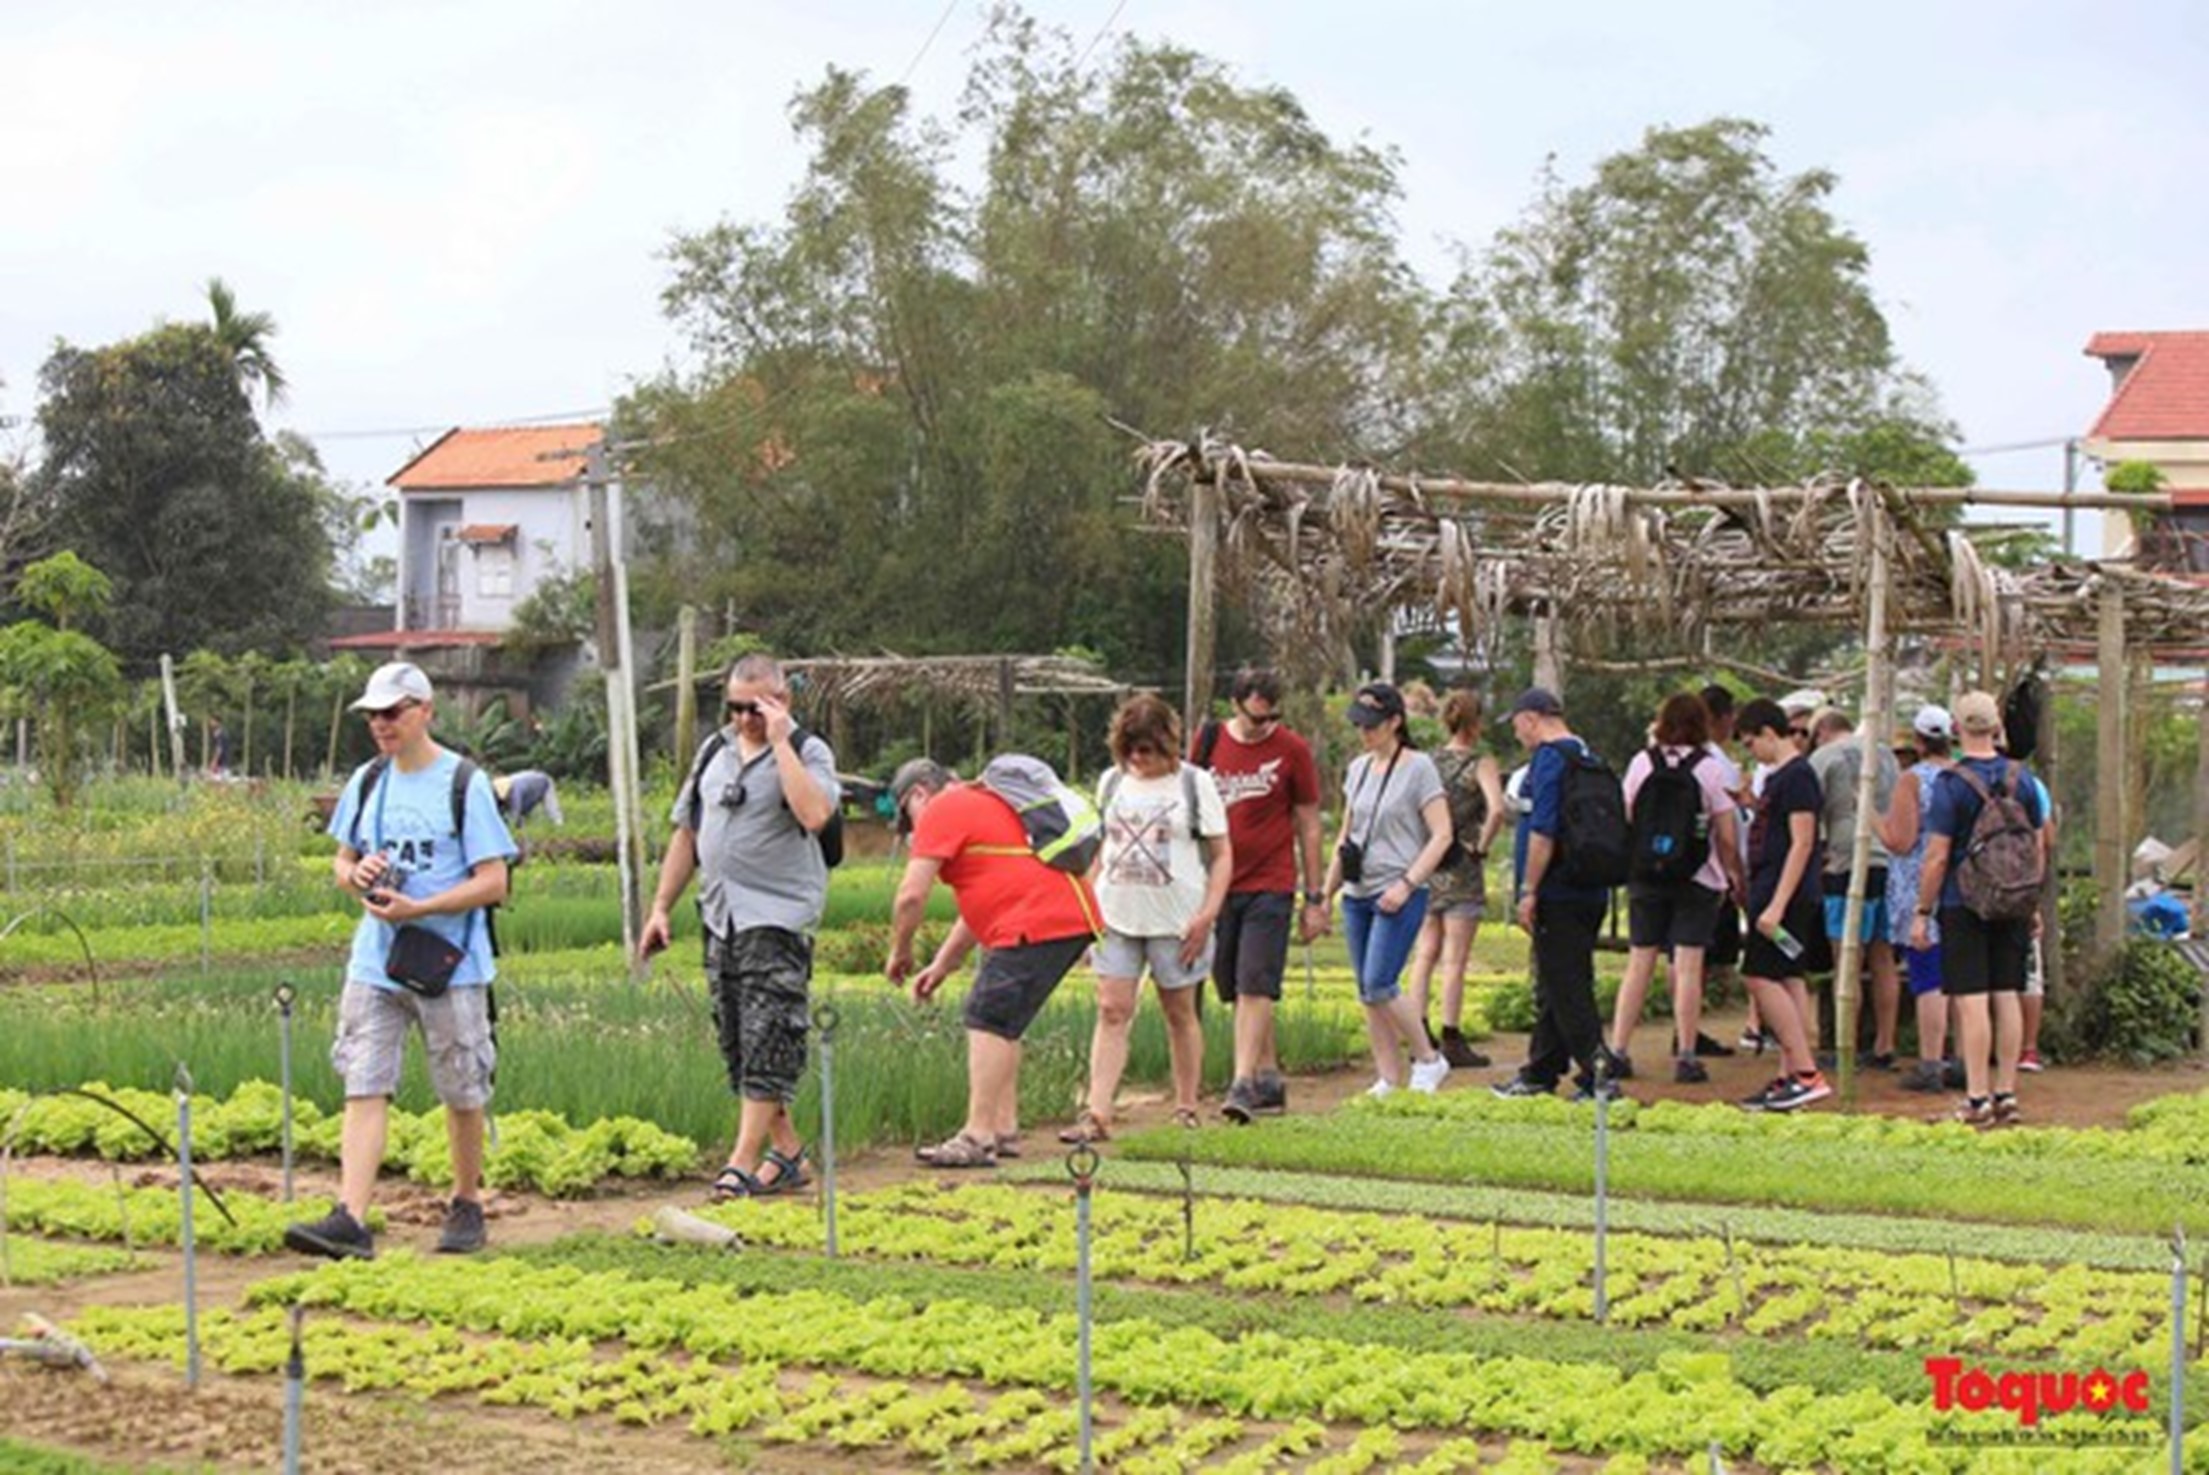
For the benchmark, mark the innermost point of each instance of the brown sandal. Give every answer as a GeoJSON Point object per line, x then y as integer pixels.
{"type": "Point", "coordinates": [1086, 1129]}
{"type": "Point", "coordinates": [1185, 1117]}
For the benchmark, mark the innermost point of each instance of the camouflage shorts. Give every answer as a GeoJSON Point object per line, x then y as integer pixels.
{"type": "Point", "coordinates": [759, 978]}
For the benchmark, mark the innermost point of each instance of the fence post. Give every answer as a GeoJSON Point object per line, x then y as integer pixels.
{"type": "Point", "coordinates": [191, 1249]}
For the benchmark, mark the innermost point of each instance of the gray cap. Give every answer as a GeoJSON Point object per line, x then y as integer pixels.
{"type": "Point", "coordinates": [915, 773]}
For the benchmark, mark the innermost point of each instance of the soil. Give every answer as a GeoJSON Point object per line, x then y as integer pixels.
{"type": "Point", "coordinates": [145, 1415]}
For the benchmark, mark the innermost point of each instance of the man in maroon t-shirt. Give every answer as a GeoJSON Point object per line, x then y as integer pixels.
{"type": "Point", "coordinates": [1266, 775]}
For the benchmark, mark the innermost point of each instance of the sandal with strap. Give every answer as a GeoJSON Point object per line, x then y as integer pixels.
{"type": "Point", "coordinates": [1185, 1117]}
{"type": "Point", "coordinates": [790, 1174]}
{"type": "Point", "coordinates": [959, 1151]}
{"type": "Point", "coordinates": [732, 1182]}
{"type": "Point", "coordinates": [1087, 1128]}
{"type": "Point", "coordinates": [1008, 1144]}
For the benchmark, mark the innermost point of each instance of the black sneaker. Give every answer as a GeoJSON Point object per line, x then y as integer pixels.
{"type": "Point", "coordinates": [1460, 1054]}
{"type": "Point", "coordinates": [464, 1233]}
{"type": "Point", "coordinates": [1269, 1093]}
{"type": "Point", "coordinates": [1925, 1075]}
{"type": "Point", "coordinates": [1586, 1092]}
{"type": "Point", "coordinates": [1618, 1067]}
{"type": "Point", "coordinates": [1237, 1107]}
{"type": "Point", "coordinates": [1518, 1088]}
{"type": "Point", "coordinates": [1688, 1071]}
{"type": "Point", "coordinates": [1952, 1074]}
{"type": "Point", "coordinates": [337, 1235]}
{"type": "Point", "coordinates": [1705, 1045]}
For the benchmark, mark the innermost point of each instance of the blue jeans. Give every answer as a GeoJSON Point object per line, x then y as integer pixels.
{"type": "Point", "coordinates": [1380, 942]}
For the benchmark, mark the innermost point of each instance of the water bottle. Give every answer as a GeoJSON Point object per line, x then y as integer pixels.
{"type": "Point", "coordinates": [1790, 947]}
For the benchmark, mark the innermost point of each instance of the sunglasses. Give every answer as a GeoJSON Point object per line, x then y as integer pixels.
{"type": "Point", "coordinates": [390, 714]}
{"type": "Point", "coordinates": [741, 709]}
{"type": "Point", "coordinates": [1258, 719]}
{"type": "Point", "coordinates": [1801, 732]}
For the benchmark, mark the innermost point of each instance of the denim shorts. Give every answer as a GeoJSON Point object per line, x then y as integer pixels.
{"type": "Point", "coordinates": [1380, 943]}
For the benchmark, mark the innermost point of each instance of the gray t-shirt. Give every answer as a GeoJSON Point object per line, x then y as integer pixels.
{"type": "Point", "coordinates": [757, 866]}
{"type": "Point", "coordinates": [1385, 817]}
{"type": "Point", "coordinates": [1838, 766]}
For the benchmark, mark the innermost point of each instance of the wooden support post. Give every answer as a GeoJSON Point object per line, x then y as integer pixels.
{"type": "Point", "coordinates": [1549, 666]}
{"type": "Point", "coordinates": [2047, 761]}
{"type": "Point", "coordinates": [1878, 721]}
{"type": "Point", "coordinates": [1004, 704]}
{"type": "Point", "coordinates": [2110, 748]}
{"type": "Point", "coordinates": [175, 716]}
{"type": "Point", "coordinates": [621, 729]}
{"type": "Point", "coordinates": [686, 684]}
{"type": "Point", "coordinates": [2198, 898]}
{"type": "Point", "coordinates": [1204, 548]}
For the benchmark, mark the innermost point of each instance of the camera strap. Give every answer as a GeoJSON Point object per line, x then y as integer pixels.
{"type": "Point", "coordinates": [1372, 821]}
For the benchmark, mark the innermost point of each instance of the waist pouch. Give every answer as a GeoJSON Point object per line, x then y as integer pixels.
{"type": "Point", "coordinates": [421, 961]}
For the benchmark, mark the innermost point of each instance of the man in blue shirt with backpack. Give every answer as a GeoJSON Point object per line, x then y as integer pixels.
{"type": "Point", "coordinates": [421, 843]}
{"type": "Point", "coordinates": [1560, 905]}
{"type": "Point", "coordinates": [1985, 864]}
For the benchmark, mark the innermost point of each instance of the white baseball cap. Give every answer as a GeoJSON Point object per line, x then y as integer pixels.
{"type": "Point", "coordinates": [393, 683]}
{"type": "Point", "coordinates": [1933, 721]}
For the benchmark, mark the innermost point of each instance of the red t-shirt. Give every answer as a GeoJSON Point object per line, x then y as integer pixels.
{"type": "Point", "coordinates": [1263, 783]}
{"type": "Point", "coordinates": [1005, 900]}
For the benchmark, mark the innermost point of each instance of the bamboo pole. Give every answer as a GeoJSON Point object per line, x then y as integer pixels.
{"type": "Point", "coordinates": [2109, 777]}
{"type": "Point", "coordinates": [1204, 549]}
{"type": "Point", "coordinates": [1878, 719]}
{"type": "Point", "coordinates": [686, 682]}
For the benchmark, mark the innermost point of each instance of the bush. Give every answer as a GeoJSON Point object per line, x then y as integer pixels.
{"type": "Point", "coordinates": [2142, 1006]}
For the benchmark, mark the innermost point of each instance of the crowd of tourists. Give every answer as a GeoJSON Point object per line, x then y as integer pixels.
{"type": "Point", "coordinates": [1733, 835]}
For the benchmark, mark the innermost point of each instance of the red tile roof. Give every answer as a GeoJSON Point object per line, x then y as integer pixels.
{"type": "Point", "coordinates": [2165, 396]}
{"type": "Point", "coordinates": [516, 456]}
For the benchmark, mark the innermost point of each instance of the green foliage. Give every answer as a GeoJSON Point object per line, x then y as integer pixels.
{"type": "Point", "coordinates": [65, 589]}
{"type": "Point", "coordinates": [2141, 1006]}
{"type": "Point", "coordinates": [2134, 476]}
{"type": "Point", "coordinates": [160, 475]}
{"type": "Point", "coordinates": [58, 676]}
{"type": "Point", "coordinates": [561, 609]}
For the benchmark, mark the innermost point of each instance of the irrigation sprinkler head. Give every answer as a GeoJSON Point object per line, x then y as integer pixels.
{"type": "Point", "coordinates": [1081, 1165]}
{"type": "Point", "coordinates": [825, 1019]}
{"type": "Point", "coordinates": [286, 995]}
{"type": "Point", "coordinates": [183, 1082]}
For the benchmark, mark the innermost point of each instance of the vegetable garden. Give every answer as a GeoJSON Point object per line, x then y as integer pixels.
{"type": "Point", "coordinates": [1411, 1283]}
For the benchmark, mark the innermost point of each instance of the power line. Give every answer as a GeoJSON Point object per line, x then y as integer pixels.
{"type": "Point", "coordinates": [941, 21]}
{"type": "Point", "coordinates": [1101, 30]}
{"type": "Point", "coordinates": [399, 431]}
{"type": "Point", "coordinates": [2017, 445]}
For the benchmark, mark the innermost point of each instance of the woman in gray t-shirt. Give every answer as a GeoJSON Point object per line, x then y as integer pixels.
{"type": "Point", "coordinates": [1395, 834]}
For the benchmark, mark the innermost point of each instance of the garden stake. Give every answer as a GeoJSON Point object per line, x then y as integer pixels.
{"type": "Point", "coordinates": [184, 1190]}
{"type": "Point", "coordinates": [1733, 1268]}
{"type": "Point", "coordinates": [1602, 1184]}
{"type": "Point", "coordinates": [825, 1019]}
{"type": "Point", "coordinates": [206, 912]}
{"type": "Point", "coordinates": [1188, 1206]}
{"type": "Point", "coordinates": [285, 993]}
{"type": "Point", "coordinates": [295, 1392]}
{"type": "Point", "coordinates": [2178, 1350]}
{"type": "Point", "coordinates": [2201, 1313]}
{"type": "Point", "coordinates": [1082, 1164]}
{"type": "Point", "coordinates": [1717, 1466]}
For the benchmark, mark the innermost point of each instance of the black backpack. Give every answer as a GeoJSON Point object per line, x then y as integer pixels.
{"type": "Point", "coordinates": [1671, 828]}
{"type": "Point", "coordinates": [1208, 743]}
{"type": "Point", "coordinates": [1592, 835]}
{"type": "Point", "coordinates": [464, 774]}
{"type": "Point", "coordinates": [831, 835]}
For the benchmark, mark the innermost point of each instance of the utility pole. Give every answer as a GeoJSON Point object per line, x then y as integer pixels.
{"type": "Point", "coordinates": [2070, 485]}
{"type": "Point", "coordinates": [615, 660]}
{"type": "Point", "coordinates": [176, 718]}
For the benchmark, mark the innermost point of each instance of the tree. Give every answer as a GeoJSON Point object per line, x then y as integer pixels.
{"type": "Point", "coordinates": [60, 677]}
{"type": "Point", "coordinates": [245, 337]}
{"type": "Point", "coordinates": [900, 435]}
{"type": "Point", "coordinates": [1689, 310]}
{"type": "Point", "coordinates": [159, 474]}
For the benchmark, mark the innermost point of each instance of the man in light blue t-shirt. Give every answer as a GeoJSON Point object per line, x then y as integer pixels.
{"type": "Point", "coordinates": [414, 861]}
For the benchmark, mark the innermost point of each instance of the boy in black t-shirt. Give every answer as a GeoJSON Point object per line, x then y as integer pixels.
{"type": "Point", "coordinates": [1784, 910]}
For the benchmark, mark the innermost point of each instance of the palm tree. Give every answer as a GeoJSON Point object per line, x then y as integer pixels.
{"type": "Point", "coordinates": [245, 337]}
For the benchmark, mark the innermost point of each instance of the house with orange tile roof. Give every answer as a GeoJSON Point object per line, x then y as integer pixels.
{"type": "Point", "coordinates": [485, 516]}
{"type": "Point", "coordinates": [2158, 412]}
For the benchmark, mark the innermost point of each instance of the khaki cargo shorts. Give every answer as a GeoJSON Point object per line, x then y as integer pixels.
{"type": "Point", "coordinates": [372, 1027]}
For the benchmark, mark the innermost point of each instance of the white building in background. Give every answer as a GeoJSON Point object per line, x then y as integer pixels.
{"type": "Point", "coordinates": [485, 516]}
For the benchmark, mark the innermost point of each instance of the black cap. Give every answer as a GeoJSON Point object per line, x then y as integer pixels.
{"type": "Point", "coordinates": [1375, 703]}
{"type": "Point", "coordinates": [1539, 700]}
{"type": "Point", "coordinates": [915, 773]}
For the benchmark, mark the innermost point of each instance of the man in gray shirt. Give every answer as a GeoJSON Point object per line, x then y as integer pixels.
{"type": "Point", "coordinates": [1837, 758]}
{"type": "Point", "coordinates": [748, 820]}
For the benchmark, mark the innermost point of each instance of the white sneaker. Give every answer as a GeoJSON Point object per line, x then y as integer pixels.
{"type": "Point", "coordinates": [1428, 1075]}
{"type": "Point", "coordinates": [1380, 1088]}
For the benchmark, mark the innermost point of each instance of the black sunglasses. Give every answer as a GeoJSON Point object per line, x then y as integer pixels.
{"type": "Point", "coordinates": [392, 713]}
{"type": "Point", "coordinates": [741, 709]}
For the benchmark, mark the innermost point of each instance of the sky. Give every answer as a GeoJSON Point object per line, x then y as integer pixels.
{"type": "Point", "coordinates": [457, 212]}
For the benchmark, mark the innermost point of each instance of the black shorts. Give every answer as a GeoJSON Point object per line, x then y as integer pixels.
{"type": "Point", "coordinates": [1679, 915]}
{"type": "Point", "coordinates": [759, 978]}
{"type": "Point", "coordinates": [1805, 920]}
{"type": "Point", "coordinates": [1013, 983]}
{"type": "Point", "coordinates": [1725, 937]}
{"type": "Point", "coordinates": [1250, 944]}
{"type": "Point", "coordinates": [1982, 957]}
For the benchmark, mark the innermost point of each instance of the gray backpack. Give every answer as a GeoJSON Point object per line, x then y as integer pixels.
{"type": "Point", "coordinates": [1062, 826]}
{"type": "Point", "coordinates": [2001, 867]}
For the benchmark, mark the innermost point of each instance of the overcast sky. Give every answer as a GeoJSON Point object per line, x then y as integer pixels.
{"type": "Point", "coordinates": [456, 212]}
